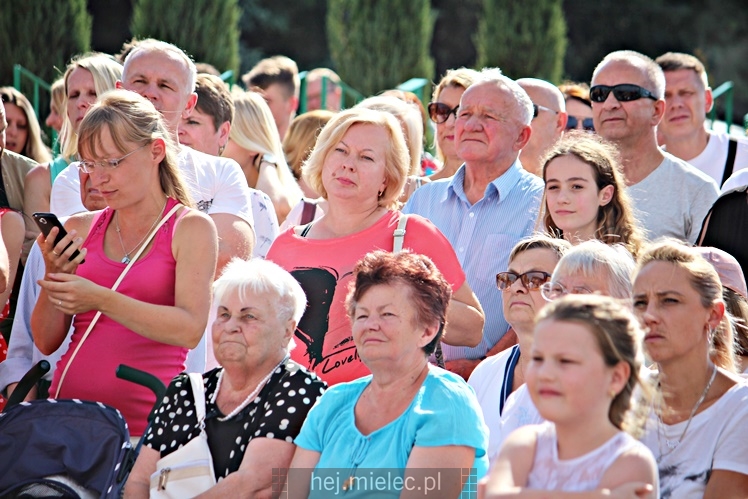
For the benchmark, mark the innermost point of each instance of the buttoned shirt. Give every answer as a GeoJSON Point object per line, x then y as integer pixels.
{"type": "Point", "coordinates": [482, 234]}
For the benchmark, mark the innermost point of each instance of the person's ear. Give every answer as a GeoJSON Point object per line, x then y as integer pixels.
{"type": "Point", "coordinates": [428, 334]}
{"type": "Point", "coordinates": [158, 150]}
{"type": "Point", "coordinates": [708, 99]}
{"type": "Point", "coordinates": [716, 313]}
{"type": "Point", "coordinates": [619, 377]}
{"type": "Point", "coordinates": [223, 133]}
{"type": "Point", "coordinates": [606, 194]}
{"type": "Point", "coordinates": [191, 103]}
{"type": "Point", "coordinates": [561, 119]}
{"type": "Point", "coordinates": [523, 138]}
{"type": "Point", "coordinates": [658, 111]}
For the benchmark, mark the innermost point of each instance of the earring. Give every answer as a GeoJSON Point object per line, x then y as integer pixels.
{"type": "Point", "coordinates": [710, 333]}
{"type": "Point", "coordinates": [221, 149]}
{"type": "Point", "coordinates": [612, 393]}
{"type": "Point", "coordinates": [380, 194]}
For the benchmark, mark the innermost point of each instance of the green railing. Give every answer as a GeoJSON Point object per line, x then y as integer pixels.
{"type": "Point", "coordinates": [19, 73]}
{"type": "Point", "coordinates": [419, 86]}
{"type": "Point", "coordinates": [228, 78]}
{"type": "Point", "coordinates": [726, 90]}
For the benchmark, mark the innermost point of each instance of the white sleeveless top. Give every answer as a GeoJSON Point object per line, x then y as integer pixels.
{"type": "Point", "coordinates": [573, 475]}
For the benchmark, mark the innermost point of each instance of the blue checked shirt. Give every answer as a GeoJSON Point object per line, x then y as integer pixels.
{"type": "Point", "coordinates": [482, 235]}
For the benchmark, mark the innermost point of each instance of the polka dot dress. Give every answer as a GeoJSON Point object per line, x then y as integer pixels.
{"type": "Point", "coordinates": [278, 412]}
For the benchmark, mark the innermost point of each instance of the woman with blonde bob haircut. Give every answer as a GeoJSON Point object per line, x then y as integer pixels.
{"type": "Point", "coordinates": [160, 308]}
{"type": "Point", "coordinates": [585, 193]}
{"type": "Point", "coordinates": [697, 427]}
{"type": "Point", "coordinates": [359, 166]}
{"type": "Point", "coordinates": [255, 144]}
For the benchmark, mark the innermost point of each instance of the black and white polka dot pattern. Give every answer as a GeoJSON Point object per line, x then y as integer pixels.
{"type": "Point", "coordinates": [278, 412]}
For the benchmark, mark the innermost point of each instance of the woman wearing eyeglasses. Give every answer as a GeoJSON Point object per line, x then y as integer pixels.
{"type": "Point", "coordinates": [578, 106]}
{"type": "Point", "coordinates": [160, 309]}
{"type": "Point", "coordinates": [443, 112]}
{"type": "Point", "coordinates": [497, 378]}
{"type": "Point", "coordinates": [585, 194]}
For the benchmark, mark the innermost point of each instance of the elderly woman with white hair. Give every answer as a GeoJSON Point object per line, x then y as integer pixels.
{"type": "Point", "coordinates": [591, 267]}
{"type": "Point", "coordinates": [256, 402]}
{"type": "Point", "coordinates": [255, 144]}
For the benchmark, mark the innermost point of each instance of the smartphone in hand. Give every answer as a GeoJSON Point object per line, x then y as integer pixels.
{"type": "Point", "coordinates": [46, 221]}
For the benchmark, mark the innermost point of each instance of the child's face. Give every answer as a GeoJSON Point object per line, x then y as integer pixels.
{"type": "Point", "coordinates": [572, 196]}
{"type": "Point", "coordinates": [567, 376]}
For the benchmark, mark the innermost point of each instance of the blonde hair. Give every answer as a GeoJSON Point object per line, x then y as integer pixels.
{"type": "Point", "coordinates": [132, 119]}
{"type": "Point", "coordinates": [616, 223]}
{"type": "Point", "coordinates": [301, 137]}
{"type": "Point", "coordinates": [619, 338]}
{"type": "Point", "coordinates": [254, 129]}
{"type": "Point", "coordinates": [410, 119]}
{"type": "Point", "coordinates": [397, 161]}
{"type": "Point", "coordinates": [705, 280]}
{"type": "Point", "coordinates": [59, 97]}
{"type": "Point", "coordinates": [34, 147]}
{"type": "Point", "coordinates": [106, 71]}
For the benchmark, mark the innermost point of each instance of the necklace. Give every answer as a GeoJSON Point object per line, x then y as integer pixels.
{"type": "Point", "coordinates": [249, 398]}
{"type": "Point", "coordinates": [672, 444]}
{"type": "Point", "coordinates": [126, 258]}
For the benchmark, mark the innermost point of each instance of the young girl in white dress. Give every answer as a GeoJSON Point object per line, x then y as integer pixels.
{"type": "Point", "coordinates": [584, 367]}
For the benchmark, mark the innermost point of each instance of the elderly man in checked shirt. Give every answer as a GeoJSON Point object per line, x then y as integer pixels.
{"type": "Point", "coordinates": [489, 204]}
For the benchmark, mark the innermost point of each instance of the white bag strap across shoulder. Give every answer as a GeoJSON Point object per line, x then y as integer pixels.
{"type": "Point", "coordinates": [198, 392]}
{"type": "Point", "coordinates": [114, 288]}
{"type": "Point", "coordinates": [399, 234]}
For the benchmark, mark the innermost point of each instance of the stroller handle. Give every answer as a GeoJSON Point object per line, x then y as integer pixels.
{"type": "Point", "coordinates": [142, 378]}
{"type": "Point", "coordinates": [27, 383]}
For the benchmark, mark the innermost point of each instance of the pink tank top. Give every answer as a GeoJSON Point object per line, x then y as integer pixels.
{"type": "Point", "coordinates": [92, 374]}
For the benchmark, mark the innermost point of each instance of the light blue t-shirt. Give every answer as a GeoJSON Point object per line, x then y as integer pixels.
{"type": "Point", "coordinates": [444, 412]}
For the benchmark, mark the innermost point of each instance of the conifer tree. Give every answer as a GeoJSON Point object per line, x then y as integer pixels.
{"type": "Point", "coordinates": [207, 30]}
{"type": "Point", "coordinates": [377, 44]}
{"type": "Point", "coordinates": [42, 36]}
{"type": "Point", "coordinates": [524, 39]}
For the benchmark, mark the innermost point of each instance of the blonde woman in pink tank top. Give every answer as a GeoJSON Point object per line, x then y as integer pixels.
{"type": "Point", "coordinates": [160, 309]}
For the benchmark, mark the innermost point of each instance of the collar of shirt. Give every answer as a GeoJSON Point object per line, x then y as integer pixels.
{"type": "Point", "coordinates": [501, 185]}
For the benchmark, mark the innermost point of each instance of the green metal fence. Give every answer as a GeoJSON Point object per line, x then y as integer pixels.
{"type": "Point", "coordinates": [725, 91]}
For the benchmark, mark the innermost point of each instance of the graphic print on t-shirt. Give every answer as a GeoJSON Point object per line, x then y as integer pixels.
{"type": "Point", "coordinates": [319, 285]}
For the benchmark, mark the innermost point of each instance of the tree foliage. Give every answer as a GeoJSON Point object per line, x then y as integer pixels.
{"type": "Point", "coordinates": [377, 44]}
{"type": "Point", "coordinates": [42, 35]}
{"type": "Point", "coordinates": [524, 39]}
{"type": "Point", "coordinates": [208, 30]}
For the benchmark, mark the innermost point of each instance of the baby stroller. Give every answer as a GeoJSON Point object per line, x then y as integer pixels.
{"type": "Point", "coordinates": [66, 448]}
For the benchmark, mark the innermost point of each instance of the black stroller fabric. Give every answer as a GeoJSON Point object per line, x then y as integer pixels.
{"type": "Point", "coordinates": [86, 442]}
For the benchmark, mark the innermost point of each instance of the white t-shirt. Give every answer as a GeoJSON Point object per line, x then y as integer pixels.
{"type": "Point", "coordinates": [492, 382]}
{"type": "Point", "coordinates": [673, 200]}
{"type": "Point", "coordinates": [712, 159]}
{"type": "Point", "coordinates": [266, 222]}
{"type": "Point", "coordinates": [716, 440]}
{"type": "Point", "coordinates": [737, 179]}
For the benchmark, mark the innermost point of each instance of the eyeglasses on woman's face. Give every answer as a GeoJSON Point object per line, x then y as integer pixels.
{"type": "Point", "coordinates": [107, 164]}
{"type": "Point", "coordinates": [440, 112]}
{"type": "Point", "coordinates": [555, 290]}
{"type": "Point", "coordinates": [531, 280]}
{"type": "Point", "coordinates": [575, 122]}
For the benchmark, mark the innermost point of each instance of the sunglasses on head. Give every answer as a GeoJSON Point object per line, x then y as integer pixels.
{"type": "Point", "coordinates": [536, 108]}
{"type": "Point", "coordinates": [625, 92]}
{"type": "Point", "coordinates": [530, 280]}
{"type": "Point", "coordinates": [439, 112]}
{"type": "Point", "coordinates": [586, 123]}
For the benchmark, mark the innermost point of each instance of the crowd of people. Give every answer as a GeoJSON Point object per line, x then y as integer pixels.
{"type": "Point", "coordinates": [535, 304]}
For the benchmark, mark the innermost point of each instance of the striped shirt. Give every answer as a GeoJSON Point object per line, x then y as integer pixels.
{"type": "Point", "coordinates": [482, 235]}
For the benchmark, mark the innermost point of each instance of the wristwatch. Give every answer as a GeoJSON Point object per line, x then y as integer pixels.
{"type": "Point", "coordinates": [266, 158]}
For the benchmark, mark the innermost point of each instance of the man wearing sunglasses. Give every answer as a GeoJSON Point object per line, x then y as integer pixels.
{"type": "Point", "coordinates": [489, 204]}
{"type": "Point", "coordinates": [688, 98]}
{"type": "Point", "coordinates": [670, 196]}
{"type": "Point", "coordinates": [548, 122]}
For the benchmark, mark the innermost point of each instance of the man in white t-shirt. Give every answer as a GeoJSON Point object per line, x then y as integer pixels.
{"type": "Point", "coordinates": [688, 99]}
{"type": "Point", "coordinates": [163, 74]}
{"type": "Point", "coordinates": [671, 197]}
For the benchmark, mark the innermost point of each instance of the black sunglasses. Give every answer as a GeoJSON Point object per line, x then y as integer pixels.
{"type": "Point", "coordinates": [625, 92]}
{"type": "Point", "coordinates": [530, 280]}
{"type": "Point", "coordinates": [587, 123]}
{"type": "Point", "coordinates": [439, 112]}
{"type": "Point", "coordinates": [536, 108]}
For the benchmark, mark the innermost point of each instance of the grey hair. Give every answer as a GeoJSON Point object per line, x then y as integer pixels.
{"type": "Point", "coordinates": [652, 71]}
{"type": "Point", "coordinates": [595, 257]}
{"type": "Point", "coordinates": [153, 45]}
{"type": "Point", "coordinates": [262, 276]}
{"type": "Point", "coordinates": [522, 100]}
